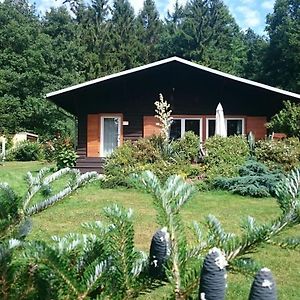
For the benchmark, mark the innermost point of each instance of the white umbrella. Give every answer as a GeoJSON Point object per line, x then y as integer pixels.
{"type": "Point", "coordinates": [220, 122]}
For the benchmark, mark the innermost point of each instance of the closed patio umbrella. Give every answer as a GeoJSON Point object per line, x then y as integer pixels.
{"type": "Point", "coordinates": [220, 122]}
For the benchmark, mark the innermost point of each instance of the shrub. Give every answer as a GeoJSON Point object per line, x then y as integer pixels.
{"type": "Point", "coordinates": [148, 150]}
{"type": "Point", "coordinates": [119, 165]}
{"type": "Point", "coordinates": [254, 180]}
{"type": "Point", "coordinates": [282, 154]}
{"type": "Point", "coordinates": [164, 159]}
{"type": "Point", "coordinates": [287, 120]}
{"type": "Point", "coordinates": [66, 158]}
{"type": "Point", "coordinates": [54, 147]}
{"type": "Point", "coordinates": [26, 151]}
{"type": "Point", "coordinates": [188, 147]}
{"type": "Point", "coordinates": [224, 156]}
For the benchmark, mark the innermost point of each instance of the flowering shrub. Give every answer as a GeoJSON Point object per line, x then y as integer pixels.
{"type": "Point", "coordinates": [225, 155]}
{"type": "Point", "coordinates": [164, 159]}
{"type": "Point", "coordinates": [164, 115]}
{"type": "Point", "coordinates": [279, 154]}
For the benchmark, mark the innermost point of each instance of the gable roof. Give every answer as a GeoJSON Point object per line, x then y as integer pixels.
{"type": "Point", "coordinates": [168, 60]}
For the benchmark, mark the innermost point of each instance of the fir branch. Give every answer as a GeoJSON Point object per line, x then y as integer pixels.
{"type": "Point", "coordinates": [245, 265]}
{"type": "Point", "coordinates": [92, 276]}
{"type": "Point", "coordinates": [79, 181]}
{"type": "Point", "coordinates": [288, 243]}
{"type": "Point", "coordinates": [34, 185]}
{"type": "Point", "coordinates": [58, 268]}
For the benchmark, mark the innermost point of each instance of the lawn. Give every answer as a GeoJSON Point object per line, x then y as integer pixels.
{"type": "Point", "coordinates": [87, 203]}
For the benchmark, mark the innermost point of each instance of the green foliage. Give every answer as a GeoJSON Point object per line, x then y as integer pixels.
{"type": "Point", "coordinates": [152, 153]}
{"type": "Point", "coordinates": [279, 154]}
{"type": "Point", "coordinates": [188, 147]}
{"type": "Point", "coordinates": [29, 60]}
{"type": "Point", "coordinates": [168, 200]}
{"type": "Point", "coordinates": [256, 46]}
{"type": "Point", "coordinates": [42, 54]}
{"type": "Point", "coordinates": [102, 263]}
{"type": "Point", "coordinates": [26, 279]}
{"type": "Point", "coordinates": [150, 26]}
{"type": "Point", "coordinates": [287, 120]}
{"type": "Point", "coordinates": [282, 60]}
{"type": "Point", "coordinates": [26, 151]}
{"type": "Point", "coordinates": [9, 210]}
{"type": "Point", "coordinates": [254, 180]}
{"type": "Point", "coordinates": [183, 266]}
{"type": "Point", "coordinates": [66, 158]}
{"type": "Point", "coordinates": [225, 155]}
{"type": "Point", "coordinates": [61, 150]}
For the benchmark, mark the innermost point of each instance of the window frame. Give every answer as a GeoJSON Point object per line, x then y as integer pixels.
{"type": "Point", "coordinates": [226, 119]}
{"type": "Point", "coordinates": [182, 125]}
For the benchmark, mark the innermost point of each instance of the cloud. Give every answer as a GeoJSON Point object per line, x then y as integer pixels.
{"type": "Point", "coordinates": [250, 17]}
{"type": "Point", "coordinates": [44, 5]}
{"type": "Point", "coordinates": [137, 5]}
{"type": "Point", "coordinates": [268, 5]}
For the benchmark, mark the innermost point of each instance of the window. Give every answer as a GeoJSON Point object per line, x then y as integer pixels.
{"type": "Point", "coordinates": [175, 132]}
{"type": "Point", "coordinates": [234, 126]}
{"type": "Point", "coordinates": [181, 125]}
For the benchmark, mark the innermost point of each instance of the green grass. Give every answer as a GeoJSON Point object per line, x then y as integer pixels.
{"type": "Point", "coordinates": [14, 173]}
{"type": "Point", "coordinates": [87, 203]}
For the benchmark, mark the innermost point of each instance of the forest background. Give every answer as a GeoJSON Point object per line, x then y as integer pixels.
{"type": "Point", "coordinates": [43, 53]}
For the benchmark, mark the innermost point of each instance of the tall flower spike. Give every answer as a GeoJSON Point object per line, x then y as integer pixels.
{"type": "Point", "coordinates": [164, 115]}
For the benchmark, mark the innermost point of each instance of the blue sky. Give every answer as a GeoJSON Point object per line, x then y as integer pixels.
{"type": "Point", "coordinates": [248, 13]}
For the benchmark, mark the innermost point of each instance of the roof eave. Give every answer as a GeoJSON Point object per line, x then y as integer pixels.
{"type": "Point", "coordinates": [180, 60]}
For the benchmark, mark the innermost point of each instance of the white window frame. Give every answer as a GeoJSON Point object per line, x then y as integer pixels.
{"type": "Point", "coordinates": [102, 130]}
{"type": "Point", "coordinates": [226, 119]}
{"type": "Point", "coordinates": [182, 124]}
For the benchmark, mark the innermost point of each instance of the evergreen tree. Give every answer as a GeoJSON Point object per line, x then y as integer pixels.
{"type": "Point", "coordinates": [282, 65]}
{"type": "Point", "coordinates": [212, 36]}
{"type": "Point", "coordinates": [255, 48]}
{"type": "Point", "coordinates": [123, 37]}
{"type": "Point", "coordinates": [151, 28]}
{"type": "Point", "coordinates": [170, 44]}
{"type": "Point", "coordinates": [32, 62]}
{"type": "Point", "coordinates": [205, 32]}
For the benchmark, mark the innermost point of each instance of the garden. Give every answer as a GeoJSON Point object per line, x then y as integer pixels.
{"type": "Point", "coordinates": [168, 219]}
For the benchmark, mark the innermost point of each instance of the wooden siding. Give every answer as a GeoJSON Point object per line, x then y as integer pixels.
{"type": "Point", "coordinates": [82, 136]}
{"type": "Point", "coordinates": [93, 135]}
{"type": "Point", "coordinates": [257, 126]}
{"type": "Point", "coordinates": [151, 126]}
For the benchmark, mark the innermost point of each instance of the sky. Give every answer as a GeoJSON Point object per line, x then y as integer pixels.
{"type": "Point", "coordinates": [247, 13]}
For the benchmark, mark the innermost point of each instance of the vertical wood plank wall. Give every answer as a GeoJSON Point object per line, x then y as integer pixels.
{"type": "Point", "coordinates": [82, 136]}
{"type": "Point", "coordinates": [93, 135]}
{"type": "Point", "coordinates": [151, 126]}
{"type": "Point", "coordinates": [257, 126]}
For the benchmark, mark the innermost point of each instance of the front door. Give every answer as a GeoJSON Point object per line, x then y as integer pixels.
{"type": "Point", "coordinates": [110, 134]}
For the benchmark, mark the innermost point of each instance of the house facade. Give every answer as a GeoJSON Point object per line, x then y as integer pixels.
{"type": "Point", "coordinates": [120, 107]}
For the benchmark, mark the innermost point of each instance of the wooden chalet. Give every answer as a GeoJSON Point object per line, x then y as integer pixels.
{"type": "Point", "coordinates": [120, 107]}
